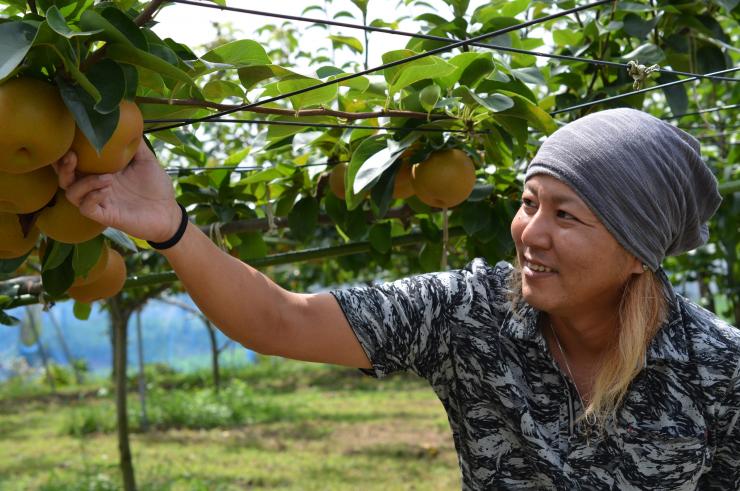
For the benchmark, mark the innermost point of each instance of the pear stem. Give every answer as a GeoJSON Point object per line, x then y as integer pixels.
{"type": "Point", "coordinates": [445, 237]}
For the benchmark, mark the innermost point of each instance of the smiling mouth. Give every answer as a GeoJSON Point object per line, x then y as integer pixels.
{"type": "Point", "coordinates": [538, 268]}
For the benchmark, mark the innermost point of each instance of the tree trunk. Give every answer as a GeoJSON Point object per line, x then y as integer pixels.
{"type": "Point", "coordinates": [31, 318]}
{"type": "Point", "coordinates": [65, 348]}
{"type": "Point", "coordinates": [142, 378]}
{"type": "Point", "coordinates": [214, 356]}
{"type": "Point", "coordinates": [119, 322]}
{"type": "Point", "coordinates": [112, 334]}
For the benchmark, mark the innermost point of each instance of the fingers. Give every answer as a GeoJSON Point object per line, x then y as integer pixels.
{"type": "Point", "coordinates": [65, 169]}
{"type": "Point", "coordinates": [143, 152]}
{"type": "Point", "coordinates": [77, 191]}
{"type": "Point", "coordinates": [91, 204]}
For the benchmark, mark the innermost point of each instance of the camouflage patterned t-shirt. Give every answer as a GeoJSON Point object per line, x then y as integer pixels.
{"type": "Point", "coordinates": [512, 410]}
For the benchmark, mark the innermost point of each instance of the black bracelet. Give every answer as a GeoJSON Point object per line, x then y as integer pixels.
{"type": "Point", "coordinates": [178, 235]}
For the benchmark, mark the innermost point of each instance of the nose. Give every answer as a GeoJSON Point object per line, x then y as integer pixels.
{"type": "Point", "coordinates": [536, 231]}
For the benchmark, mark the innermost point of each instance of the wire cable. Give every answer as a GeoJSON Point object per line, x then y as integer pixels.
{"type": "Point", "coordinates": [176, 170]}
{"type": "Point", "coordinates": [312, 125]}
{"type": "Point", "coordinates": [438, 38]}
{"type": "Point", "coordinates": [703, 111]}
{"type": "Point", "coordinates": [403, 61]}
{"type": "Point", "coordinates": [640, 91]}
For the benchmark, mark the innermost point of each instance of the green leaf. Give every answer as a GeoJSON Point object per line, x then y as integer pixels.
{"type": "Point", "coordinates": [236, 157]}
{"type": "Point", "coordinates": [16, 39]}
{"type": "Point", "coordinates": [8, 266]}
{"type": "Point", "coordinates": [62, 48]}
{"type": "Point", "coordinates": [8, 320]}
{"type": "Point", "coordinates": [413, 73]}
{"type": "Point", "coordinates": [82, 310]}
{"type": "Point", "coordinates": [370, 169]}
{"type": "Point", "coordinates": [359, 84]}
{"type": "Point", "coordinates": [399, 77]}
{"type": "Point", "coordinates": [218, 90]}
{"type": "Point", "coordinates": [470, 69]}
{"type": "Point", "coordinates": [97, 127]}
{"type": "Point", "coordinates": [57, 281]}
{"type": "Point", "coordinates": [121, 239]}
{"type": "Point", "coordinates": [492, 102]}
{"type": "Point", "coordinates": [58, 24]}
{"type": "Point", "coordinates": [728, 5]}
{"type": "Point", "coordinates": [86, 255]}
{"type": "Point", "coordinates": [352, 43]}
{"type": "Point", "coordinates": [90, 20]}
{"type": "Point", "coordinates": [710, 59]}
{"type": "Point", "coordinates": [131, 76]}
{"type": "Point", "coordinates": [430, 256]}
{"type": "Point", "coordinates": [365, 150]}
{"type": "Point", "coordinates": [253, 245]}
{"type": "Point", "coordinates": [125, 53]}
{"type": "Point", "coordinates": [109, 79]}
{"type": "Point", "coordinates": [315, 97]}
{"type": "Point", "coordinates": [530, 75]}
{"type": "Point", "coordinates": [676, 95]}
{"type": "Point", "coordinates": [645, 54]}
{"type": "Point", "coordinates": [567, 38]}
{"type": "Point", "coordinates": [126, 26]}
{"type": "Point", "coordinates": [56, 253]}
{"type": "Point", "coordinates": [239, 54]}
{"type": "Point", "coordinates": [261, 176]}
{"type": "Point", "coordinates": [636, 26]}
{"type": "Point", "coordinates": [534, 115]}
{"type": "Point", "coordinates": [382, 192]}
{"type": "Point", "coordinates": [252, 75]}
{"type": "Point", "coordinates": [362, 5]}
{"type": "Point", "coordinates": [429, 96]}
{"type": "Point", "coordinates": [304, 217]}
{"type": "Point", "coordinates": [513, 8]}
{"type": "Point", "coordinates": [380, 237]}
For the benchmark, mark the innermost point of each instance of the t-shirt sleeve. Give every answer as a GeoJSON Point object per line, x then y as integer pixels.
{"type": "Point", "coordinates": [408, 324]}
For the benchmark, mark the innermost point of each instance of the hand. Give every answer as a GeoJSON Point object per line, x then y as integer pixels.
{"type": "Point", "coordinates": [138, 200]}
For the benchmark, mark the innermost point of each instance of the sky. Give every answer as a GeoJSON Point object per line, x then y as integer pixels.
{"type": "Point", "coordinates": [192, 25]}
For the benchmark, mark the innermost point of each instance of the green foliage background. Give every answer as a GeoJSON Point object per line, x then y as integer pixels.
{"type": "Point", "coordinates": [277, 201]}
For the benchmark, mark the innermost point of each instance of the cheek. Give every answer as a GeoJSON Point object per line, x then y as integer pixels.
{"type": "Point", "coordinates": [517, 226]}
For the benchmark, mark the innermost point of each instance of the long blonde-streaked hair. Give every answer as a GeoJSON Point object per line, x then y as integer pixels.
{"type": "Point", "coordinates": [642, 310]}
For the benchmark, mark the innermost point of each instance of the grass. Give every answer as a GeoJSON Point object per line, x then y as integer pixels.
{"type": "Point", "coordinates": [287, 426]}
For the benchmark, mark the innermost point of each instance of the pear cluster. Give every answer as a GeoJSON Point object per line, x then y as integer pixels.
{"type": "Point", "coordinates": [41, 131]}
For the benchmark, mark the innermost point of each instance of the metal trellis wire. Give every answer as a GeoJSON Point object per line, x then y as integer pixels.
{"type": "Point", "coordinates": [640, 91]}
{"type": "Point", "coordinates": [403, 61]}
{"type": "Point", "coordinates": [438, 38]}
{"type": "Point", "coordinates": [311, 125]}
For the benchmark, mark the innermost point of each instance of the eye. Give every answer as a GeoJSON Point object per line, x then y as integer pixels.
{"type": "Point", "coordinates": [565, 215]}
{"type": "Point", "coordinates": [528, 203]}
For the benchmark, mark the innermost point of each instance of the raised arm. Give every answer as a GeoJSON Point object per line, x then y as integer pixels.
{"type": "Point", "coordinates": [242, 302]}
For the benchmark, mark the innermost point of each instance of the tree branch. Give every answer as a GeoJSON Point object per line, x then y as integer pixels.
{"type": "Point", "coordinates": [148, 13]}
{"type": "Point", "coordinates": [30, 294]}
{"type": "Point", "coordinates": [295, 114]}
{"type": "Point", "coordinates": [145, 16]}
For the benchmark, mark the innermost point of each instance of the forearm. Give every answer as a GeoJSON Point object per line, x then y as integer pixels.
{"type": "Point", "coordinates": [238, 299]}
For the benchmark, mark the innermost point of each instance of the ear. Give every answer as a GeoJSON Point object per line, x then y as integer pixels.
{"type": "Point", "coordinates": [635, 266]}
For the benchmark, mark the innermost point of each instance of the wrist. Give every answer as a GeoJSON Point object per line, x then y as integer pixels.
{"type": "Point", "coordinates": [178, 223]}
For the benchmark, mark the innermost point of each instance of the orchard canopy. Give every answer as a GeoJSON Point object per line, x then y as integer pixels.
{"type": "Point", "coordinates": [291, 154]}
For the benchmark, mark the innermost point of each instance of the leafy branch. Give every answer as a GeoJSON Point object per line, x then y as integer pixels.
{"type": "Point", "coordinates": [351, 116]}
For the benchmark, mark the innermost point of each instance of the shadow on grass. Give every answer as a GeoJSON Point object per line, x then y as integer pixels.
{"type": "Point", "coordinates": [413, 461]}
{"type": "Point", "coordinates": [198, 482]}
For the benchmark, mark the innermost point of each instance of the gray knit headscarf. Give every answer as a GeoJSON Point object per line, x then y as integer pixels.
{"type": "Point", "coordinates": [644, 178]}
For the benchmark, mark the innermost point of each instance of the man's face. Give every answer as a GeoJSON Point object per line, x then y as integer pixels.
{"type": "Point", "coordinates": [570, 263]}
